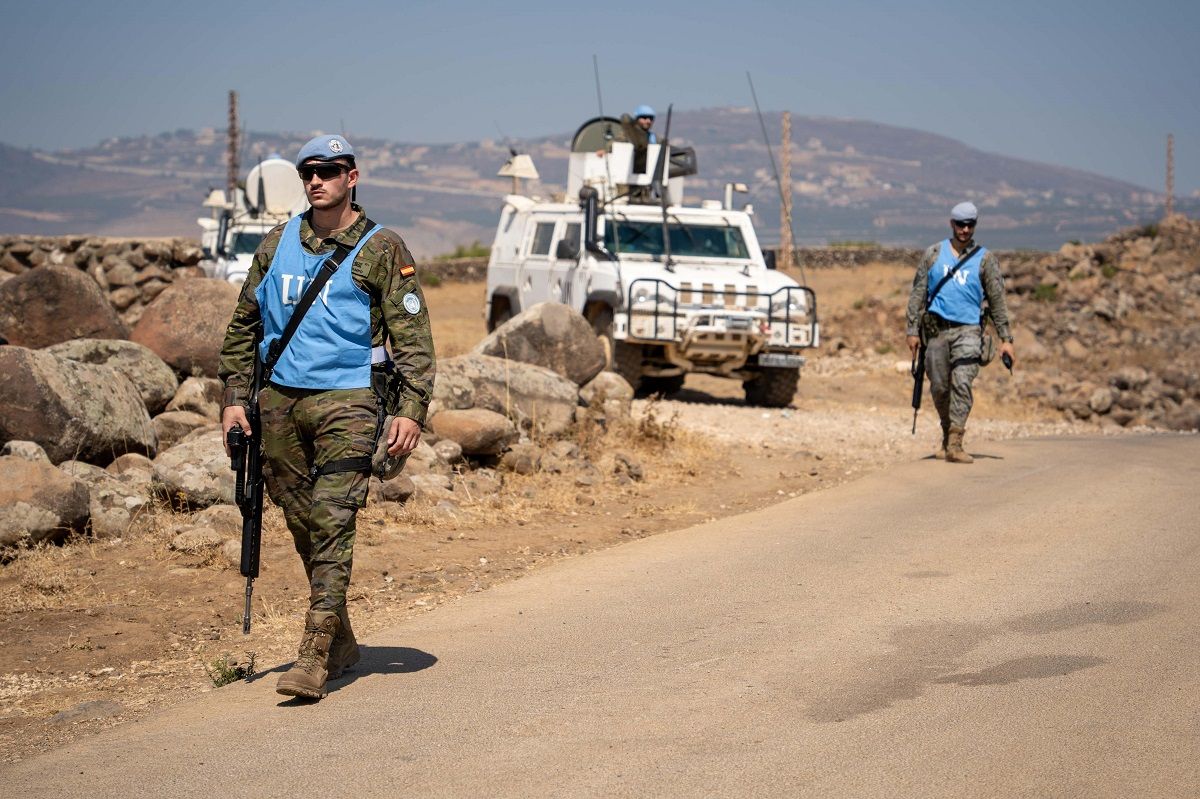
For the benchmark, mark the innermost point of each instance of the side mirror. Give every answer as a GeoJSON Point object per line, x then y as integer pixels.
{"type": "Point", "coordinates": [769, 258]}
{"type": "Point", "coordinates": [589, 200]}
{"type": "Point", "coordinates": [567, 250]}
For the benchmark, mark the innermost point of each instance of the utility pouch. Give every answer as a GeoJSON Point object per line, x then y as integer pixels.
{"type": "Point", "coordinates": [987, 347]}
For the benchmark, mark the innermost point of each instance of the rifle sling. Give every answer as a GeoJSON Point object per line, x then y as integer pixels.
{"type": "Point", "coordinates": [330, 266]}
{"type": "Point", "coordinates": [929, 298]}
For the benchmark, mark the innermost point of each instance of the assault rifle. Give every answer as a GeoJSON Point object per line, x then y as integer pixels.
{"type": "Point", "coordinates": [245, 452]}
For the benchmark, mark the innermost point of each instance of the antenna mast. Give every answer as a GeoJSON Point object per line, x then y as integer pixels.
{"type": "Point", "coordinates": [785, 208]}
{"type": "Point", "coordinates": [1170, 175]}
{"type": "Point", "coordinates": [231, 154]}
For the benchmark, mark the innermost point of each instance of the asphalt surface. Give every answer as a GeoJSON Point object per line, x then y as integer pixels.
{"type": "Point", "coordinates": [1025, 626]}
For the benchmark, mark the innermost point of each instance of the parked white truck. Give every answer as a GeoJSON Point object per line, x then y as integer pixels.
{"type": "Point", "coordinates": [673, 289]}
{"type": "Point", "coordinates": [273, 194]}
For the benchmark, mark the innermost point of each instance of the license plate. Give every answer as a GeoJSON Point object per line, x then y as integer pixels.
{"type": "Point", "coordinates": [781, 360]}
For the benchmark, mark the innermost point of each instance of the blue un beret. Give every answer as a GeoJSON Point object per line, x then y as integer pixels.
{"type": "Point", "coordinates": [325, 148]}
{"type": "Point", "coordinates": [964, 212]}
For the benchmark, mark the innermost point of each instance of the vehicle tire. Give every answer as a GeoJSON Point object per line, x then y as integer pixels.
{"type": "Point", "coordinates": [665, 386]}
{"type": "Point", "coordinates": [624, 359]}
{"type": "Point", "coordinates": [773, 388]}
{"type": "Point", "coordinates": [501, 312]}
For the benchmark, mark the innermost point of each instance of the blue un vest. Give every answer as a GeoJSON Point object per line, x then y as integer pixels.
{"type": "Point", "coordinates": [332, 346]}
{"type": "Point", "coordinates": [961, 299]}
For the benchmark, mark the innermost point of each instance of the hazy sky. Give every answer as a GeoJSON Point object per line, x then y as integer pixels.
{"type": "Point", "coordinates": [1093, 85]}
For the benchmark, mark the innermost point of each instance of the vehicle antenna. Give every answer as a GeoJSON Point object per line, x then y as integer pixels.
{"type": "Point", "coordinates": [608, 137]}
{"type": "Point", "coordinates": [775, 169]}
{"type": "Point", "coordinates": [659, 181]}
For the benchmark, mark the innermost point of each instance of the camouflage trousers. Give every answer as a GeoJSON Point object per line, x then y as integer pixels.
{"type": "Point", "coordinates": [307, 427]}
{"type": "Point", "coordinates": [952, 363]}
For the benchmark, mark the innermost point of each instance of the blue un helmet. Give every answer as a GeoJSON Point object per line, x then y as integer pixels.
{"type": "Point", "coordinates": [325, 148]}
{"type": "Point", "coordinates": [643, 111]}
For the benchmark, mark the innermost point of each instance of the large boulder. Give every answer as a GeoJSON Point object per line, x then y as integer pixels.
{"type": "Point", "coordinates": [532, 395]}
{"type": "Point", "coordinates": [610, 393]}
{"type": "Point", "coordinates": [195, 472]}
{"type": "Point", "coordinates": [114, 500]}
{"type": "Point", "coordinates": [477, 430]}
{"type": "Point", "coordinates": [173, 426]}
{"type": "Point", "coordinates": [154, 379]}
{"type": "Point", "coordinates": [50, 304]}
{"type": "Point", "coordinates": [39, 503]}
{"type": "Point", "coordinates": [185, 325]}
{"type": "Point", "coordinates": [85, 411]}
{"type": "Point", "coordinates": [552, 335]}
{"type": "Point", "coordinates": [200, 395]}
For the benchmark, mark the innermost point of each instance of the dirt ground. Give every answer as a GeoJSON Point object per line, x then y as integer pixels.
{"type": "Point", "coordinates": [96, 633]}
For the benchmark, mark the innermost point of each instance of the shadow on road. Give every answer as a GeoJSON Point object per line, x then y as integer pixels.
{"type": "Point", "coordinates": [375, 660]}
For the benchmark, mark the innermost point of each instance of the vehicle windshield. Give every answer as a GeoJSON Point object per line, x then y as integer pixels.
{"type": "Point", "coordinates": [245, 243]}
{"type": "Point", "coordinates": [700, 241]}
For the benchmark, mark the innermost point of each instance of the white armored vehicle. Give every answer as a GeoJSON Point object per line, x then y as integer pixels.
{"type": "Point", "coordinates": [673, 289]}
{"type": "Point", "coordinates": [273, 194]}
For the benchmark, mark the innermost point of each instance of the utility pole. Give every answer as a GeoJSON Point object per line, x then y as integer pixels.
{"type": "Point", "coordinates": [231, 155]}
{"type": "Point", "coordinates": [785, 208]}
{"type": "Point", "coordinates": [1170, 175]}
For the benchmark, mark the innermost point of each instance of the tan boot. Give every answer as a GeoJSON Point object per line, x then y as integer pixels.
{"type": "Point", "coordinates": [954, 447]}
{"type": "Point", "coordinates": [941, 453]}
{"type": "Point", "coordinates": [344, 652]}
{"type": "Point", "coordinates": [308, 674]}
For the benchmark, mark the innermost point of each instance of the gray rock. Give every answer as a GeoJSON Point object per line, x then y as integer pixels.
{"type": "Point", "coordinates": [532, 395]}
{"type": "Point", "coordinates": [87, 711]}
{"type": "Point", "coordinates": [113, 500]}
{"type": "Point", "coordinates": [200, 395]}
{"type": "Point", "coordinates": [610, 394]}
{"type": "Point", "coordinates": [189, 341]}
{"type": "Point", "coordinates": [476, 430]}
{"type": "Point", "coordinates": [155, 381]}
{"type": "Point", "coordinates": [197, 539]}
{"type": "Point", "coordinates": [522, 459]}
{"type": "Point", "coordinates": [431, 486]}
{"type": "Point", "coordinates": [39, 502]}
{"type": "Point", "coordinates": [195, 472]}
{"type": "Point", "coordinates": [398, 489]}
{"type": "Point", "coordinates": [25, 449]}
{"type": "Point", "coordinates": [49, 304]}
{"type": "Point", "coordinates": [225, 519]}
{"type": "Point", "coordinates": [77, 410]}
{"type": "Point", "coordinates": [1101, 400]}
{"type": "Point", "coordinates": [478, 484]}
{"type": "Point", "coordinates": [172, 427]}
{"type": "Point", "coordinates": [231, 553]}
{"type": "Point", "coordinates": [1130, 378]}
{"type": "Point", "coordinates": [551, 335]}
{"type": "Point", "coordinates": [449, 451]}
{"type": "Point", "coordinates": [425, 460]}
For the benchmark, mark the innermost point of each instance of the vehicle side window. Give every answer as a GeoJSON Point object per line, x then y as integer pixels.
{"type": "Point", "coordinates": [572, 233]}
{"type": "Point", "coordinates": [542, 236]}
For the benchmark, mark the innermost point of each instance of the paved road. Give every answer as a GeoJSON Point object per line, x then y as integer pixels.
{"type": "Point", "coordinates": [1022, 627]}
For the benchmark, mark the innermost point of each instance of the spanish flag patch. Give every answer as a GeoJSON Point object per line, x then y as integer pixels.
{"type": "Point", "coordinates": [408, 270]}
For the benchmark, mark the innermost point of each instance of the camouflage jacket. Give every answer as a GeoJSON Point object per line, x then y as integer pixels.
{"type": "Point", "coordinates": [384, 270]}
{"type": "Point", "coordinates": [993, 291]}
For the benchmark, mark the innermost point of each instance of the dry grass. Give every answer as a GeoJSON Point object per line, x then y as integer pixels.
{"type": "Point", "coordinates": [46, 577]}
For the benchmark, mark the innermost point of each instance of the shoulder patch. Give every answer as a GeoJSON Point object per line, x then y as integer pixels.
{"type": "Point", "coordinates": [408, 270]}
{"type": "Point", "coordinates": [412, 303]}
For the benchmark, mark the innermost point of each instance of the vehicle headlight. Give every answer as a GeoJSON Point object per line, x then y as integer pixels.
{"type": "Point", "coordinates": [648, 295]}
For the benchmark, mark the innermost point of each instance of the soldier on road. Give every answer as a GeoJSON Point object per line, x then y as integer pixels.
{"type": "Point", "coordinates": [952, 325]}
{"type": "Point", "coordinates": [323, 408]}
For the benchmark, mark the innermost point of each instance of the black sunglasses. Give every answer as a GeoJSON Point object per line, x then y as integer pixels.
{"type": "Point", "coordinates": [964, 223]}
{"type": "Point", "coordinates": [323, 171]}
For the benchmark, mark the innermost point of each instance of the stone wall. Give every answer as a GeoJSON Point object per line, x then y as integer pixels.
{"type": "Point", "coordinates": [132, 272]}
{"type": "Point", "coordinates": [841, 257]}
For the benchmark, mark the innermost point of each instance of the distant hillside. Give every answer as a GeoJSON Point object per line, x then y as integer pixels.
{"type": "Point", "coordinates": [852, 180]}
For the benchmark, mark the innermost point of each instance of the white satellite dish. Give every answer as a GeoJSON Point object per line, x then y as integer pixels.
{"type": "Point", "coordinates": [281, 187]}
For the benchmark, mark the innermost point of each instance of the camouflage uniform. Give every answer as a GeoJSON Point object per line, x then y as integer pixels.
{"type": "Point", "coordinates": [952, 352]}
{"type": "Point", "coordinates": [307, 427]}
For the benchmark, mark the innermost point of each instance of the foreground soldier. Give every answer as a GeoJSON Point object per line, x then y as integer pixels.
{"type": "Point", "coordinates": [952, 324]}
{"type": "Point", "coordinates": [320, 416]}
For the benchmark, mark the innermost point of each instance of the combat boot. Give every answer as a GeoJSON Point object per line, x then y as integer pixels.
{"type": "Point", "coordinates": [308, 674]}
{"type": "Point", "coordinates": [954, 447]}
{"type": "Point", "coordinates": [941, 453]}
{"type": "Point", "coordinates": [344, 652]}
